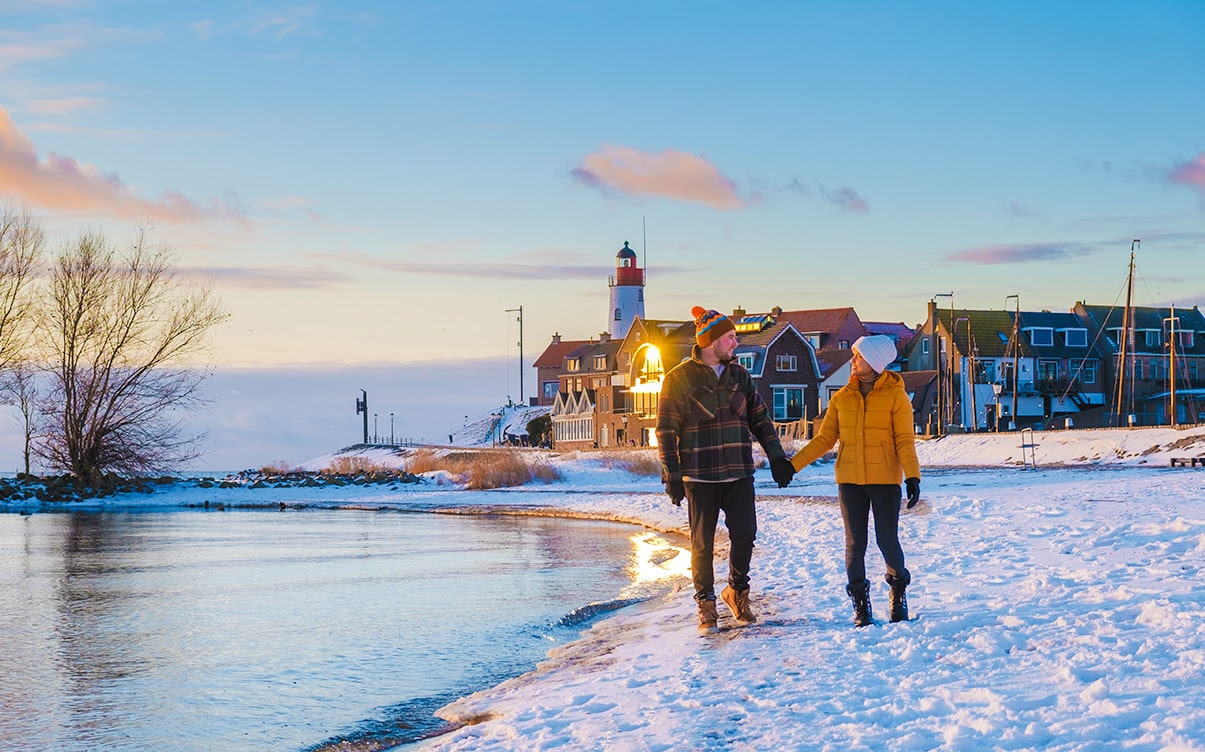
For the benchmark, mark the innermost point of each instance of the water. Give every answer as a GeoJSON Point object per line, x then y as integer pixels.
{"type": "Point", "coordinates": [255, 630]}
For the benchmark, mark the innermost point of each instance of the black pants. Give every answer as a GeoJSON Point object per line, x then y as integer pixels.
{"type": "Point", "coordinates": [857, 503]}
{"type": "Point", "coordinates": [705, 501]}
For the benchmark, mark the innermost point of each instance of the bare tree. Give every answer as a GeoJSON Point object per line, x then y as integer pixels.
{"type": "Point", "coordinates": [121, 330]}
{"type": "Point", "coordinates": [22, 241]}
{"type": "Point", "coordinates": [19, 383]}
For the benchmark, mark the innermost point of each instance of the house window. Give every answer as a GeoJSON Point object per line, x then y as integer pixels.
{"type": "Point", "coordinates": [1192, 370]}
{"type": "Point", "coordinates": [1154, 338]}
{"type": "Point", "coordinates": [745, 360]}
{"type": "Point", "coordinates": [985, 371]}
{"type": "Point", "coordinates": [1048, 370]}
{"type": "Point", "coordinates": [1041, 337]}
{"type": "Point", "coordinates": [843, 344]}
{"type": "Point", "coordinates": [786, 362]}
{"type": "Point", "coordinates": [1186, 338]}
{"type": "Point", "coordinates": [618, 314]}
{"type": "Point", "coordinates": [604, 403]}
{"type": "Point", "coordinates": [1137, 368]}
{"type": "Point", "coordinates": [788, 402]}
{"type": "Point", "coordinates": [924, 346]}
{"type": "Point", "coordinates": [1076, 337]}
{"type": "Point", "coordinates": [550, 389]}
{"type": "Point", "coordinates": [1088, 371]}
{"type": "Point", "coordinates": [600, 362]}
{"type": "Point", "coordinates": [573, 364]}
{"type": "Point", "coordinates": [813, 340]}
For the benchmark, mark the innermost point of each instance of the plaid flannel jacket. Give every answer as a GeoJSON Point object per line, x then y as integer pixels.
{"type": "Point", "coordinates": [705, 423]}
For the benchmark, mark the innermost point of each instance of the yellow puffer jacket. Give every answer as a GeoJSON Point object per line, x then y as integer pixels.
{"type": "Point", "coordinates": [878, 443]}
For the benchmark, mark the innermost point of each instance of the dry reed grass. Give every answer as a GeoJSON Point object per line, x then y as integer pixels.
{"type": "Point", "coordinates": [493, 468]}
{"type": "Point", "coordinates": [356, 466]}
{"type": "Point", "coordinates": [280, 467]}
{"type": "Point", "coordinates": [643, 462]}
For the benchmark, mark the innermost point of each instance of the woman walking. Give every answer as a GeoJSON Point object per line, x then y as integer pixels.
{"type": "Point", "coordinates": [872, 418]}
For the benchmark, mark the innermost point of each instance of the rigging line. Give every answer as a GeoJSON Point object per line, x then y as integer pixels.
{"type": "Point", "coordinates": [1100, 332]}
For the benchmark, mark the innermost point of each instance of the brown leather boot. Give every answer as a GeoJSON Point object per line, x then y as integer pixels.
{"type": "Point", "coordinates": [738, 602]}
{"type": "Point", "coordinates": [708, 619]}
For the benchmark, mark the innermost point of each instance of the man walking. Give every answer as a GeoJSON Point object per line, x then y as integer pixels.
{"type": "Point", "coordinates": [708, 412]}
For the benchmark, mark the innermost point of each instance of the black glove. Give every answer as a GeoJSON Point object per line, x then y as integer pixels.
{"type": "Point", "coordinates": [782, 470]}
{"type": "Point", "coordinates": [676, 490]}
{"type": "Point", "coordinates": [913, 485]}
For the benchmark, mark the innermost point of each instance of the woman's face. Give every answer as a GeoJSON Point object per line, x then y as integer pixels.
{"type": "Point", "coordinates": [861, 368]}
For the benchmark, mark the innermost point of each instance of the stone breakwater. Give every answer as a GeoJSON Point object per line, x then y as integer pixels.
{"type": "Point", "coordinates": [68, 488]}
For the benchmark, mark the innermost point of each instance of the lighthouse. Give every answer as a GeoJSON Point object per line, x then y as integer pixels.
{"type": "Point", "coordinates": [627, 293]}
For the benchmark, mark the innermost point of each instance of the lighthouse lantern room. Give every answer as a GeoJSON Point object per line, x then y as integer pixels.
{"type": "Point", "coordinates": [627, 292]}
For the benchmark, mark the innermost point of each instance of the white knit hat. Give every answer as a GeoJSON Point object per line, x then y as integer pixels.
{"type": "Point", "coordinates": [877, 350]}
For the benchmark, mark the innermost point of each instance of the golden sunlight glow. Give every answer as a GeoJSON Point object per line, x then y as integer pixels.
{"type": "Point", "coordinates": [655, 558]}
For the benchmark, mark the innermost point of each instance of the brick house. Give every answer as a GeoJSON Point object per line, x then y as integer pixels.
{"type": "Point", "coordinates": [1147, 392]}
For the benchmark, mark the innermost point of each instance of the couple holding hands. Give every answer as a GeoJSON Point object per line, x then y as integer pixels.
{"type": "Point", "coordinates": [707, 416]}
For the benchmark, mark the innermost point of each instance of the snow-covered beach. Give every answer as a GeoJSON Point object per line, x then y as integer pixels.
{"type": "Point", "coordinates": [1054, 608]}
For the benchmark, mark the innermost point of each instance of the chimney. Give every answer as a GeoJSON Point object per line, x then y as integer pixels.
{"type": "Point", "coordinates": [776, 311]}
{"type": "Point", "coordinates": [604, 336]}
{"type": "Point", "coordinates": [556, 338]}
{"type": "Point", "coordinates": [738, 312]}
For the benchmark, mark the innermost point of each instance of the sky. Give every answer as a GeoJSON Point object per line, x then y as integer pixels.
{"type": "Point", "coordinates": [1057, 608]}
{"type": "Point", "coordinates": [385, 183]}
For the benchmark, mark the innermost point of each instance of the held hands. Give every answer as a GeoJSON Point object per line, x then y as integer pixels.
{"type": "Point", "coordinates": [913, 486]}
{"type": "Point", "coordinates": [782, 470]}
{"type": "Point", "coordinates": [676, 491]}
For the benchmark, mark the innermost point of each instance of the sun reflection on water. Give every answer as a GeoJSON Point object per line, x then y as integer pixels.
{"type": "Point", "coordinates": [655, 558]}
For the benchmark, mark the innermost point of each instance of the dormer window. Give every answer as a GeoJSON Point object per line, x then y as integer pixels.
{"type": "Point", "coordinates": [573, 364]}
{"type": "Point", "coordinates": [1075, 337]}
{"type": "Point", "coordinates": [1041, 336]}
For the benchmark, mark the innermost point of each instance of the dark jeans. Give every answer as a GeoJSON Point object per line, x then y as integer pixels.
{"type": "Point", "coordinates": [705, 501]}
{"type": "Point", "coordinates": [857, 503]}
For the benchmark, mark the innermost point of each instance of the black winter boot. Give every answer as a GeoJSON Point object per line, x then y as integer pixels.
{"type": "Point", "coordinates": [899, 600]}
{"type": "Point", "coordinates": [860, 594]}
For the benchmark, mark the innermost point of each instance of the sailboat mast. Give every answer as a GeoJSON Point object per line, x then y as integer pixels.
{"type": "Point", "coordinates": [1126, 325]}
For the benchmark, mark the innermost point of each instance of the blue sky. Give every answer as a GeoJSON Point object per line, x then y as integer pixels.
{"type": "Point", "coordinates": [378, 182]}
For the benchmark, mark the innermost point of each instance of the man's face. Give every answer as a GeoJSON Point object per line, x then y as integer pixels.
{"type": "Point", "coordinates": [725, 347]}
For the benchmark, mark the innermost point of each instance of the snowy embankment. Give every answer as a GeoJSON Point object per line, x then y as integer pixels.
{"type": "Point", "coordinates": [1056, 608]}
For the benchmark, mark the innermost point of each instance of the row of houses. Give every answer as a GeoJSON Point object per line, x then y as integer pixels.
{"type": "Point", "coordinates": [964, 369]}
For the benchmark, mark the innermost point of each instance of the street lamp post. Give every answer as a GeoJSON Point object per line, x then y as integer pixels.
{"type": "Point", "coordinates": [390, 428]}
{"type": "Point", "coordinates": [1172, 321]}
{"type": "Point", "coordinates": [522, 400]}
{"type": "Point", "coordinates": [1016, 353]}
{"type": "Point", "coordinates": [375, 435]}
{"type": "Point", "coordinates": [968, 373]}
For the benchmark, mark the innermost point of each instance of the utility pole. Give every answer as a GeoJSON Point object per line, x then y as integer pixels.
{"type": "Point", "coordinates": [522, 400]}
{"type": "Point", "coordinates": [1171, 363]}
{"type": "Point", "coordinates": [968, 374]}
{"type": "Point", "coordinates": [362, 407]}
{"type": "Point", "coordinates": [944, 395]}
{"type": "Point", "coordinates": [1016, 340]}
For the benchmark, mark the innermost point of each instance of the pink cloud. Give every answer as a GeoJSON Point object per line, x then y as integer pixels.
{"type": "Point", "coordinates": [1191, 173]}
{"type": "Point", "coordinates": [670, 174]}
{"type": "Point", "coordinates": [60, 183]}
